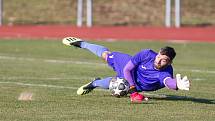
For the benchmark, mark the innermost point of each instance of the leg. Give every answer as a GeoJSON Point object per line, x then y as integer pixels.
{"type": "Point", "coordinates": [98, 50]}
{"type": "Point", "coordinates": [87, 88]}
{"type": "Point", "coordinates": [102, 83]}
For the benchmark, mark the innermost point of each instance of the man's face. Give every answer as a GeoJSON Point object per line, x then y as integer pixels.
{"type": "Point", "coordinates": [161, 61]}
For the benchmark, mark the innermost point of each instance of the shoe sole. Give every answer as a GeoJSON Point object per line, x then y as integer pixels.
{"type": "Point", "coordinates": [82, 91]}
{"type": "Point", "coordinates": [69, 40]}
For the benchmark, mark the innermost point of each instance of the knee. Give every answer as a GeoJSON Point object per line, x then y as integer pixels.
{"type": "Point", "coordinates": [105, 54]}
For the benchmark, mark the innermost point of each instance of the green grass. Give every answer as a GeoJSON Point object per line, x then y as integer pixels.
{"type": "Point", "coordinates": [54, 72]}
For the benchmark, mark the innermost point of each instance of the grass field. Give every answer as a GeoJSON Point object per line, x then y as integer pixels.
{"type": "Point", "coordinates": [49, 73]}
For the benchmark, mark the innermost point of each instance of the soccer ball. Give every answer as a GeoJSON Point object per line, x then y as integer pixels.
{"type": "Point", "coordinates": [119, 87]}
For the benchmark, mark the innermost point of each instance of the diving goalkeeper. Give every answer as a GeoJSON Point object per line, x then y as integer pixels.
{"type": "Point", "coordinates": [145, 71]}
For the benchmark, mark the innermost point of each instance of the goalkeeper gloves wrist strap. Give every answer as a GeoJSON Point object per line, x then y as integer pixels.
{"type": "Point", "coordinates": [132, 89]}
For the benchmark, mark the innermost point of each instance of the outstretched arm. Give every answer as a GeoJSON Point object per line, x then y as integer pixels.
{"type": "Point", "coordinates": [177, 83]}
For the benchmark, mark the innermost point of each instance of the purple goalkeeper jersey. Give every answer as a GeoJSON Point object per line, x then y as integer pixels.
{"type": "Point", "coordinates": [146, 77]}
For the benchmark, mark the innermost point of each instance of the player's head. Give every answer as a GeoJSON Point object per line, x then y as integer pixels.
{"type": "Point", "coordinates": [164, 57]}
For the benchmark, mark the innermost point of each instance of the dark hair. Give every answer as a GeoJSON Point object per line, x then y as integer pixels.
{"type": "Point", "coordinates": [168, 51]}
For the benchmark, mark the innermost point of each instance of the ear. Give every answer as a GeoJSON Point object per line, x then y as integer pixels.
{"type": "Point", "coordinates": [170, 62]}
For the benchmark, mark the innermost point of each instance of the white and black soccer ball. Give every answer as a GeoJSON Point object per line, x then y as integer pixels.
{"type": "Point", "coordinates": [119, 87]}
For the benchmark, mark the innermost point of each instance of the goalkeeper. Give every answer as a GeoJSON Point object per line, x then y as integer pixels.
{"type": "Point", "coordinates": [145, 71]}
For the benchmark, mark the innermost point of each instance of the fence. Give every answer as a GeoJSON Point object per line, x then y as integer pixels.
{"type": "Point", "coordinates": [1, 12]}
{"type": "Point", "coordinates": [109, 12]}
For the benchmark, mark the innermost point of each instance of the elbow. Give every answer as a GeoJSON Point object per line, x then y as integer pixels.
{"type": "Point", "coordinates": [126, 70]}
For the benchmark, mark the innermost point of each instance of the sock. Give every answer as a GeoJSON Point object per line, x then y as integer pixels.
{"type": "Point", "coordinates": [96, 49]}
{"type": "Point", "coordinates": [103, 83]}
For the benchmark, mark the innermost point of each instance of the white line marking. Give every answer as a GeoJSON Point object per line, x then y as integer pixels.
{"type": "Point", "coordinates": [73, 88]}
{"type": "Point", "coordinates": [197, 79]}
{"type": "Point", "coordinates": [88, 63]}
{"type": "Point", "coordinates": [38, 85]}
{"type": "Point", "coordinates": [48, 78]}
{"type": "Point", "coordinates": [50, 60]}
{"type": "Point", "coordinates": [74, 62]}
{"type": "Point", "coordinates": [197, 71]}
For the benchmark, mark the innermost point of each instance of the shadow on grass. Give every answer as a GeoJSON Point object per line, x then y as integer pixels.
{"type": "Point", "coordinates": [185, 98]}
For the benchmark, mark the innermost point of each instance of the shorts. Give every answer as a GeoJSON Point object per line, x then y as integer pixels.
{"type": "Point", "coordinates": [117, 62]}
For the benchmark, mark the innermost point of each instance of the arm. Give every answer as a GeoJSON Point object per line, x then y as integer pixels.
{"type": "Point", "coordinates": [135, 60]}
{"type": "Point", "coordinates": [170, 83]}
{"type": "Point", "coordinates": [127, 73]}
{"type": "Point", "coordinates": [134, 95]}
{"type": "Point", "coordinates": [177, 83]}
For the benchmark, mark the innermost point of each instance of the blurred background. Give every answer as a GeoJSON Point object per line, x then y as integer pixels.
{"type": "Point", "coordinates": [107, 12]}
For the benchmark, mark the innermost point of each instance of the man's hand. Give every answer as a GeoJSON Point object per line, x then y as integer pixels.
{"type": "Point", "coordinates": [182, 83]}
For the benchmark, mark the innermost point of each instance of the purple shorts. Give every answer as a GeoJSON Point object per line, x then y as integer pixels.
{"type": "Point", "coordinates": [117, 61]}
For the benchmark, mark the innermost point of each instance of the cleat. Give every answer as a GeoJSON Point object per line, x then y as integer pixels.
{"type": "Point", "coordinates": [72, 41]}
{"type": "Point", "coordinates": [138, 98]}
{"type": "Point", "coordinates": [87, 88]}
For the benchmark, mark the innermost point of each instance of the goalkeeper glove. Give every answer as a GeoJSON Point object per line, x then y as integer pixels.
{"type": "Point", "coordinates": [135, 96]}
{"type": "Point", "coordinates": [182, 83]}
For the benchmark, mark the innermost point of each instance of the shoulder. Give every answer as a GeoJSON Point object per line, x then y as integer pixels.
{"type": "Point", "coordinates": [169, 68]}
{"type": "Point", "coordinates": [168, 71]}
{"type": "Point", "coordinates": [143, 56]}
{"type": "Point", "coordinates": [148, 52]}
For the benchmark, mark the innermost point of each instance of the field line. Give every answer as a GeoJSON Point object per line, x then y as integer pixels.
{"type": "Point", "coordinates": [89, 63]}
{"type": "Point", "coordinates": [45, 78]}
{"type": "Point", "coordinates": [66, 87]}
{"type": "Point", "coordinates": [51, 60]}
{"type": "Point", "coordinates": [38, 85]}
{"type": "Point", "coordinates": [197, 71]}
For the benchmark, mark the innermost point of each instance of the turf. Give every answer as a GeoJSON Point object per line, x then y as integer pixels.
{"type": "Point", "coordinates": [52, 72]}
